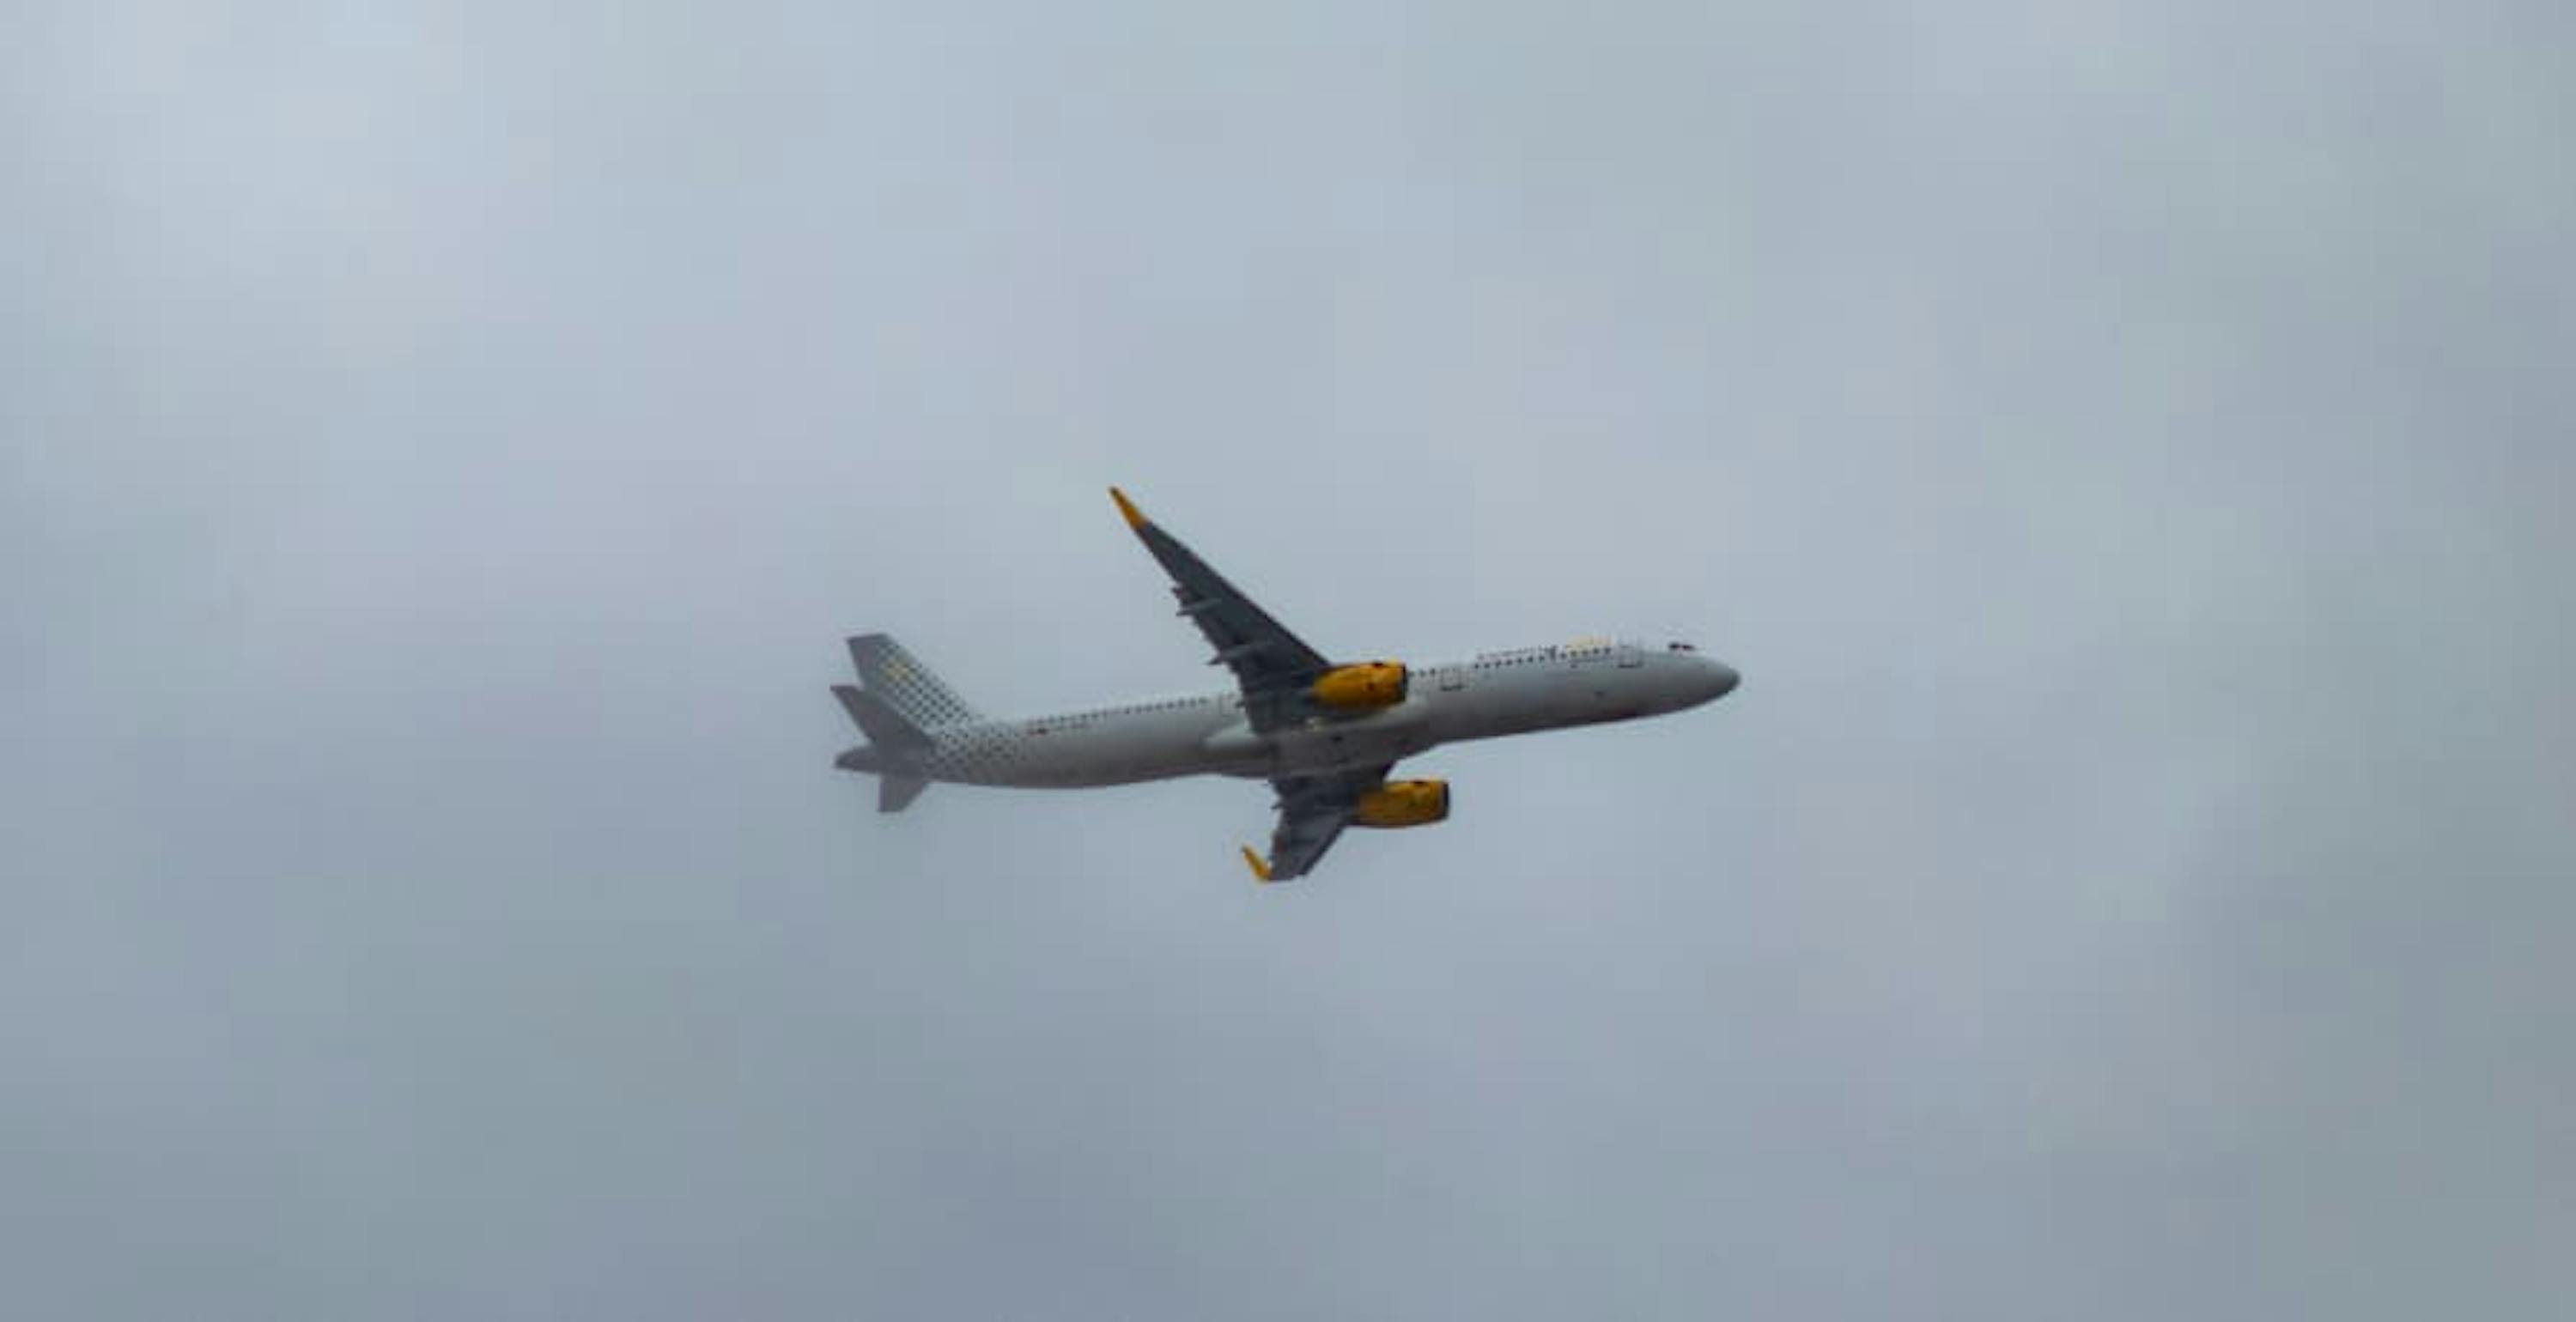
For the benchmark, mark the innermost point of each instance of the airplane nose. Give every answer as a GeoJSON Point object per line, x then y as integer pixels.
{"type": "Point", "coordinates": [1722, 680]}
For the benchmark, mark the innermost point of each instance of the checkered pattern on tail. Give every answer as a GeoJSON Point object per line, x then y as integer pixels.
{"type": "Point", "coordinates": [898, 676]}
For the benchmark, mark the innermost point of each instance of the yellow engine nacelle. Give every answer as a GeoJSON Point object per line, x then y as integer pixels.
{"type": "Point", "coordinates": [1403, 803]}
{"type": "Point", "coordinates": [1361, 687]}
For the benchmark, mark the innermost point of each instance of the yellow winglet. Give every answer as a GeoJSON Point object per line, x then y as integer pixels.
{"type": "Point", "coordinates": [1135, 517]}
{"type": "Point", "coordinates": [1260, 870]}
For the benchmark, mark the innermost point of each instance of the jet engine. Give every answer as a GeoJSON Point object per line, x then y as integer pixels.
{"type": "Point", "coordinates": [1364, 686]}
{"type": "Point", "coordinates": [1403, 803]}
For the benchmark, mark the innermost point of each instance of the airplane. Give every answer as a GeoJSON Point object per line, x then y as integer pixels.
{"type": "Point", "coordinates": [1323, 733]}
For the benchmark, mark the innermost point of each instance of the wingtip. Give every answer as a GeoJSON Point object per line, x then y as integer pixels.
{"type": "Point", "coordinates": [1127, 508]}
{"type": "Point", "coordinates": [1260, 869]}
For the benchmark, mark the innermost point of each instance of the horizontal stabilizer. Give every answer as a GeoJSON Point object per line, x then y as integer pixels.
{"type": "Point", "coordinates": [884, 726]}
{"type": "Point", "coordinates": [896, 793]}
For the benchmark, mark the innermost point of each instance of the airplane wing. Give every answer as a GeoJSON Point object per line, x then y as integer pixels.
{"type": "Point", "coordinates": [1270, 663]}
{"type": "Point", "coordinates": [1312, 812]}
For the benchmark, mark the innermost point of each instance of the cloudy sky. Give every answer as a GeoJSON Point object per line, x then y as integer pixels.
{"type": "Point", "coordinates": [2125, 444]}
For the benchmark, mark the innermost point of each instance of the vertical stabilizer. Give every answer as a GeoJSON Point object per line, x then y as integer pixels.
{"type": "Point", "coordinates": [896, 675]}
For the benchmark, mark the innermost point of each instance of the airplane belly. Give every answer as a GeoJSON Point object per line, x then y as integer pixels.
{"type": "Point", "coordinates": [1342, 746]}
{"type": "Point", "coordinates": [1319, 745]}
{"type": "Point", "coordinates": [1170, 747]}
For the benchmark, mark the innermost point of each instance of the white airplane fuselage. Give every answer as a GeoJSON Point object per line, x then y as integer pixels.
{"type": "Point", "coordinates": [1495, 693]}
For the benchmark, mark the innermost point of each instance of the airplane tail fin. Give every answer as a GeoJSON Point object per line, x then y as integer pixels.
{"type": "Point", "coordinates": [907, 686]}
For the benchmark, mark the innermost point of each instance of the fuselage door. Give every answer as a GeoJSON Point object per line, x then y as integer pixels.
{"type": "Point", "coordinates": [1631, 656]}
{"type": "Point", "coordinates": [1453, 677]}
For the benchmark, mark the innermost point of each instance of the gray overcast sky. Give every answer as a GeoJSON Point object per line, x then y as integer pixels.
{"type": "Point", "coordinates": [2126, 446]}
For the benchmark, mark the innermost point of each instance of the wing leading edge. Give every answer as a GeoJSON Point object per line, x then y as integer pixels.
{"type": "Point", "coordinates": [1269, 663]}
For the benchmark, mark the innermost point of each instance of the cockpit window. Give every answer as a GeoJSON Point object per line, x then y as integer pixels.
{"type": "Point", "coordinates": [1680, 647]}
